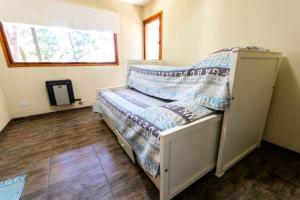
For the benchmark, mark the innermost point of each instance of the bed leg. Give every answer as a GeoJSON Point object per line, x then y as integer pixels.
{"type": "Point", "coordinates": [163, 195]}
{"type": "Point", "coordinates": [219, 174]}
{"type": "Point", "coordinates": [258, 145]}
{"type": "Point", "coordinates": [164, 168]}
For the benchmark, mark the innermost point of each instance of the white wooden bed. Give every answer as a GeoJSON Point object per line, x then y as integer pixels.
{"type": "Point", "coordinates": [190, 151]}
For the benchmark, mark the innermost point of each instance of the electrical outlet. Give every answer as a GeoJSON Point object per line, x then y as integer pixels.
{"type": "Point", "coordinates": [24, 103]}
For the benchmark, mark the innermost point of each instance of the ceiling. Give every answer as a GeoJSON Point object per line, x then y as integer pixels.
{"type": "Point", "coordinates": [136, 2]}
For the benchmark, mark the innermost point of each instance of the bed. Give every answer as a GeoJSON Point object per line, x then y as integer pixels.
{"type": "Point", "coordinates": [176, 149]}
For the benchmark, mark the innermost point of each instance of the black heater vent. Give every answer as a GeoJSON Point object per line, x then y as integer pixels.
{"type": "Point", "coordinates": [60, 92]}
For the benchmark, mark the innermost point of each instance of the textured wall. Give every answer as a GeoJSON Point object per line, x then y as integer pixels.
{"type": "Point", "coordinates": [194, 28]}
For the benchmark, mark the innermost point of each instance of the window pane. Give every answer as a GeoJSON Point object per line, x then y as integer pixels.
{"type": "Point", "coordinates": [54, 44]}
{"type": "Point", "coordinates": [30, 43]}
{"type": "Point", "coordinates": [92, 46]}
{"type": "Point", "coordinates": [21, 42]}
{"type": "Point", "coordinates": [152, 40]}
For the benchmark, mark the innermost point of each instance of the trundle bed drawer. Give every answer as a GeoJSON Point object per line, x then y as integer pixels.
{"type": "Point", "coordinates": [127, 148]}
{"type": "Point", "coordinates": [123, 143]}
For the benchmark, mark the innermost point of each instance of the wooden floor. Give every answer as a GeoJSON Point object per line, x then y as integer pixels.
{"type": "Point", "coordinates": [73, 155]}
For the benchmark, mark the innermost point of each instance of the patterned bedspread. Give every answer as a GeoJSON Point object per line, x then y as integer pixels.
{"type": "Point", "coordinates": [205, 83]}
{"type": "Point", "coordinates": [190, 92]}
{"type": "Point", "coordinates": [140, 118]}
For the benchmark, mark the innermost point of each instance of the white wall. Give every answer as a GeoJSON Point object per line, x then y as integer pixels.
{"type": "Point", "coordinates": [4, 115]}
{"type": "Point", "coordinates": [28, 84]}
{"type": "Point", "coordinates": [195, 28]}
{"type": "Point", "coordinates": [38, 13]}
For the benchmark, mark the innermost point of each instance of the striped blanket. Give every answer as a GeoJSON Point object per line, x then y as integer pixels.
{"type": "Point", "coordinates": [158, 98]}
{"type": "Point", "coordinates": [205, 83]}
{"type": "Point", "coordinates": [140, 118]}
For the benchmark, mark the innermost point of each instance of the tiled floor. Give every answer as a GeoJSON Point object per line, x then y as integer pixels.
{"type": "Point", "coordinates": [73, 155]}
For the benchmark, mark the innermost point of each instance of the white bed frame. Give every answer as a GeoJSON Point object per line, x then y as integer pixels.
{"type": "Point", "coordinates": [188, 152]}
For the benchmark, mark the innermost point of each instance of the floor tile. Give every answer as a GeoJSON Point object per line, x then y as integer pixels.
{"type": "Point", "coordinates": [240, 195]}
{"type": "Point", "coordinates": [267, 186]}
{"type": "Point", "coordinates": [93, 186]}
{"type": "Point", "coordinates": [71, 155]}
{"type": "Point", "coordinates": [64, 174]}
{"type": "Point", "coordinates": [290, 191]}
{"type": "Point", "coordinates": [74, 155]}
{"type": "Point", "coordinates": [103, 141]}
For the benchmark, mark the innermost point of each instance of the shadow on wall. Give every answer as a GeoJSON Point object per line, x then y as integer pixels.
{"type": "Point", "coordinates": [283, 124]}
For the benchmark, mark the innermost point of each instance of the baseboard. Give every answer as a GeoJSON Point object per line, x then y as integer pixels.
{"type": "Point", "coordinates": [280, 145]}
{"type": "Point", "coordinates": [47, 113]}
{"type": "Point", "coordinates": [275, 144]}
{"type": "Point", "coordinates": [3, 131]}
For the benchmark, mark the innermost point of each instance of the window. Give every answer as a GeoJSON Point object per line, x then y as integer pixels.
{"type": "Point", "coordinates": [30, 45]}
{"type": "Point", "coordinates": [153, 37]}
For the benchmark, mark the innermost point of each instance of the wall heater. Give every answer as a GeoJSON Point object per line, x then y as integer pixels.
{"type": "Point", "coordinates": [60, 92]}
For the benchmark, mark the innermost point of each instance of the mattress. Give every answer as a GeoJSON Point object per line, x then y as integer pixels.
{"type": "Point", "coordinates": [140, 118]}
